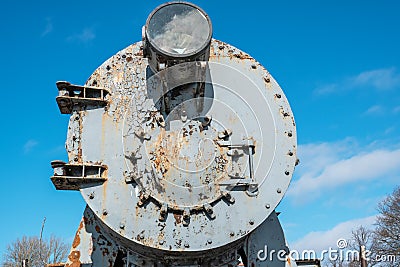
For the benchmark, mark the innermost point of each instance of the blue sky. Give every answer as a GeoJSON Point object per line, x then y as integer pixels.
{"type": "Point", "coordinates": [338, 63]}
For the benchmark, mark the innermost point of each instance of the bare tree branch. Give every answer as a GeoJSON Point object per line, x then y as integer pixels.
{"type": "Point", "coordinates": [387, 233]}
{"type": "Point", "coordinates": [53, 250]}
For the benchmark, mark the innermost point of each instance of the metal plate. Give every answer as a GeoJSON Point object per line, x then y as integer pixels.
{"type": "Point", "coordinates": [166, 164]}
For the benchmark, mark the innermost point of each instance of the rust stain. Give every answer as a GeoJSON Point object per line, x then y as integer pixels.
{"type": "Point", "coordinates": [77, 239]}
{"type": "Point", "coordinates": [74, 257]}
{"type": "Point", "coordinates": [242, 55]}
{"type": "Point", "coordinates": [161, 161]}
{"type": "Point", "coordinates": [97, 229]}
{"type": "Point", "coordinates": [79, 156]}
{"type": "Point", "coordinates": [105, 251]}
{"type": "Point", "coordinates": [139, 53]}
{"type": "Point", "coordinates": [178, 218]}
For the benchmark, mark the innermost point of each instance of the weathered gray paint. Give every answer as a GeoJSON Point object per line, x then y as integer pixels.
{"type": "Point", "coordinates": [184, 174]}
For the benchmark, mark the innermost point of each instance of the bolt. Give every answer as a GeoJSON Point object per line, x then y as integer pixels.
{"type": "Point", "coordinates": [209, 241]}
{"type": "Point", "coordinates": [290, 153]}
{"type": "Point", "coordinates": [267, 206]}
{"type": "Point", "coordinates": [278, 190]}
{"type": "Point", "coordinates": [287, 172]}
{"type": "Point", "coordinates": [161, 242]}
{"type": "Point", "coordinates": [251, 222]}
{"type": "Point", "coordinates": [141, 236]}
{"type": "Point", "coordinates": [290, 134]}
{"type": "Point", "coordinates": [206, 121]}
{"type": "Point", "coordinates": [232, 233]}
{"type": "Point", "coordinates": [122, 226]}
{"type": "Point", "coordinates": [105, 212]}
{"type": "Point", "coordinates": [160, 121]}
{"type": "Point", "coordinates": [278, 95]}
{"type": "Point", "coordinates": [91, 196]}
{"type": "Point", "coordinates": [183, 116]}
{"type": "Point", "coordinates": [186, 245]}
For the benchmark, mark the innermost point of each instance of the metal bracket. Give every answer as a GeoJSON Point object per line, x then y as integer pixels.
{"type": "Point", "coordinates": [73, 176]}
{"type": "Point", "coordinates": [70, 95]}
{"type": "Point", "coordinates": [250, 184]}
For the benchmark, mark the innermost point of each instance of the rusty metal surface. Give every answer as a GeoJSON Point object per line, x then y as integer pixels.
{"type": "Point", "coordinates": [90, 247]}
{"type": "Point", "coordinates": [70, 95]}
{"type": "Point", "coordinates": [95, 245]}
{"type": "Point", "coordinates": [181, 163]}
{"type": "Point", "coordinates": [162, 186]}
{"type": "Point", "coordinates": [77, 176]}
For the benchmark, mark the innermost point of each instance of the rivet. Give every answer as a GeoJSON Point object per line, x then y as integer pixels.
{"type": "Point", "coordinates": [251, 222]}
{"type": "Point", "coordinates": [91, 196]}
{"type": "Point", "coordinates": [105, 212]}
{"type": "Point", "coordinates": [209, 241]}
{"type": "Point", "coordinates": [206, 121]}
{"type": "Point", "coordinates": [232, 233]}
{"type": "Point", "coordinates": [267, 206]}
{"type": "Point", "coordinates": [290, 134]}
{"type": "Point", "coordinates": [290, 153]}
{"type": "Point", "coordinates": [183, 116]}
{"type": "Point", "coordinates": [122, 226]}
{"type": "Point", "coordinates": [161, 242]}
{"type": "Point", "coordinates": [287, 172]}
{"type": "Point", "coordinates": [278, 190]}
{"type": "Point", "coordinates": [186, 244]}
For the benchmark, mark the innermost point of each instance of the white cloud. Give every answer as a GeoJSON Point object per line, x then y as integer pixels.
{"type": "Point", "coordinates": [322, 240]}
{"type": "Point", "coordinates": [48, 28]}
{"type": "Point", "coordinates": [29, 145]}
{"type": "Point", "coordinates": [85, 36]}
{"type": "Point", "coordinates": [379, 79]}
{"type": "Point", "coordinates": [328, 166]}
{"type": "Point", "coordinates": [374, 110]}
{"type": "Point", "coordinates": [326, 89]}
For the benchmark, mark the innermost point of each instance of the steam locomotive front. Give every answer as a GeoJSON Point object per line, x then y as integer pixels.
{"type": "Point", "coordinates": [182, 146]}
